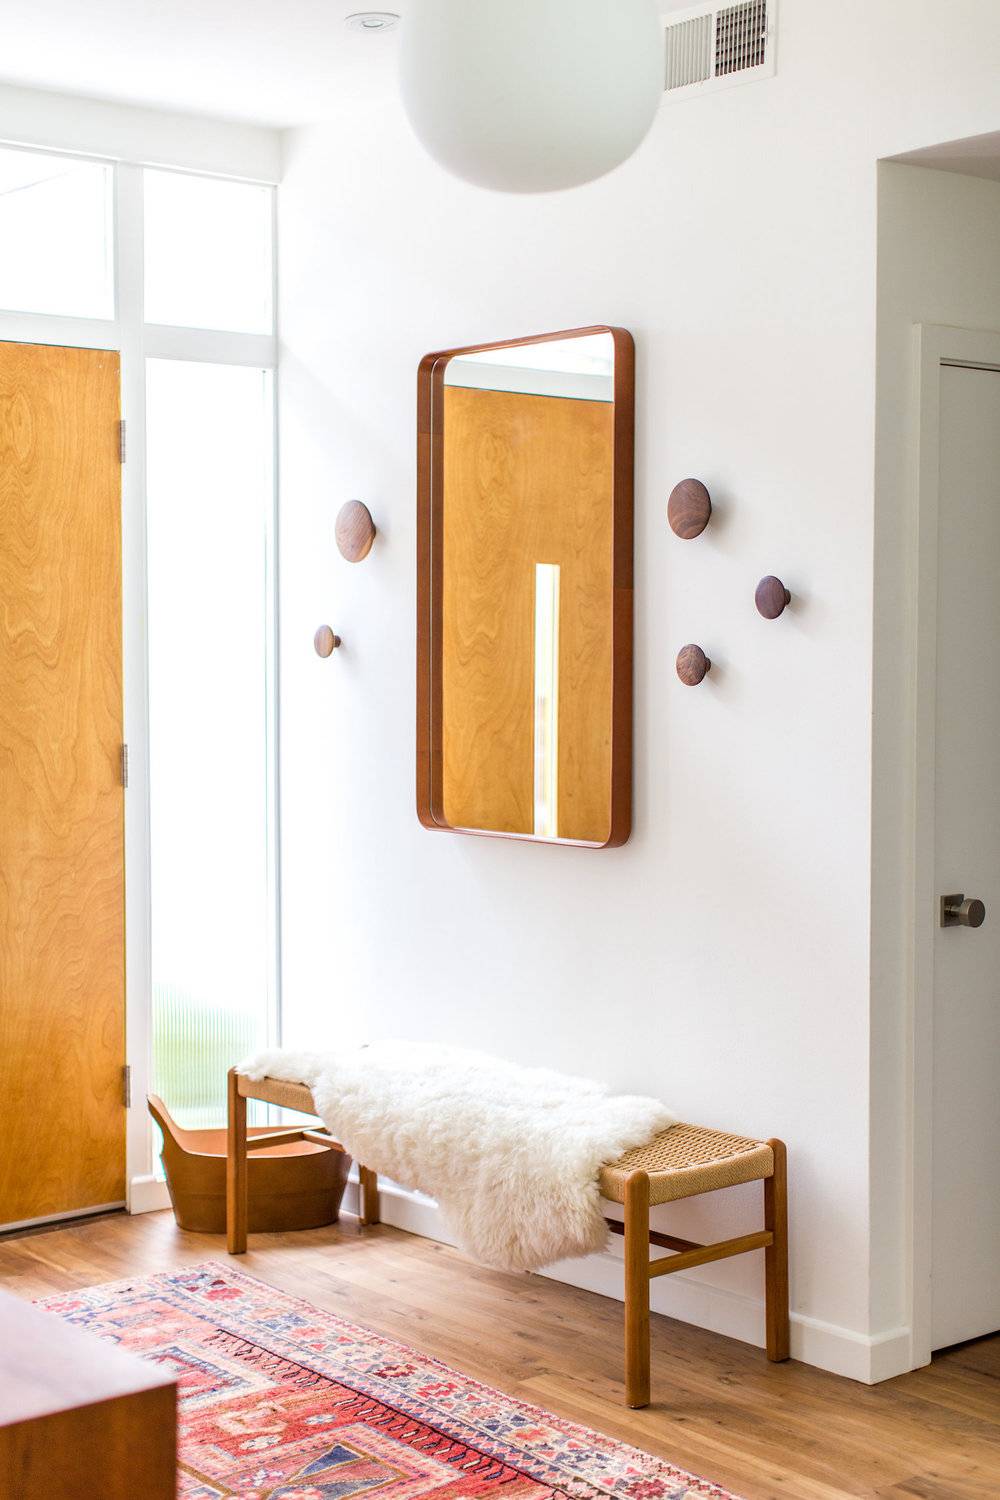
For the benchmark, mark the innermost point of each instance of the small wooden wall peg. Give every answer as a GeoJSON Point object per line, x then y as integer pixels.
{"type": "Point", "coordinates": [689, 509]}
{"type": "Point", "coordinates": [355, 530]}
{"type": "Point", "coordinates": [771, 597]}
{"type": "Point", "coordinates": [692, 665]}
{"type": "Point", "coordinates": [325, 641]}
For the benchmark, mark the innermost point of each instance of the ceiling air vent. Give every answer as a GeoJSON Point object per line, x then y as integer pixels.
{"type": "Point", "coordinates": [712, 46]}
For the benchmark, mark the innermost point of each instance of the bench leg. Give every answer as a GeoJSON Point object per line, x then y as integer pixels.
{"type": "Point", "coordinates": [368, 1211]}
{"type": "Point", "coordinates": [236, 1169]}
{"type": "Point", "coordinates": [637, 1289]}
{"type": "Point", "coordinates": [776, 1254]}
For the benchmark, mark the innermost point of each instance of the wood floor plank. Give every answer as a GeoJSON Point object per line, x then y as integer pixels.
{"type": "Point", "coordinates": [767, 1432]}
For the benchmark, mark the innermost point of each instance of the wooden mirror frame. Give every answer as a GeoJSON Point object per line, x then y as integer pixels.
{"type": "Point", "coordinates": [430, 578]}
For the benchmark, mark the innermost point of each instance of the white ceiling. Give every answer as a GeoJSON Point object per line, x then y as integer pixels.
{"type": "Point", "coordinates": [273, 62]}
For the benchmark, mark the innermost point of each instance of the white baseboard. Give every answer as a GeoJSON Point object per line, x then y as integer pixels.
{"type": "Point", "coordinates": [868, 1358]}
{"type": "Point", "coordinates": [147, 1194]}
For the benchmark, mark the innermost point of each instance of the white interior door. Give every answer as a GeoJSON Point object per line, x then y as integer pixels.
{"type": "Point", "coordinates": [966, 1098]}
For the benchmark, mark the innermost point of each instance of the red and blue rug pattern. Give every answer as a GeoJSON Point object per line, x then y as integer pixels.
{"type": "Point", "coordinates": [280, 1400]}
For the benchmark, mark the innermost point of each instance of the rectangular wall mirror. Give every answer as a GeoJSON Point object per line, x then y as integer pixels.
{"type": "Point", "coordinates": [524, 588]}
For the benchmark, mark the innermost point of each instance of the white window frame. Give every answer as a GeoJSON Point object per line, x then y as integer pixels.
{"type": "Point", "coordinates": [136, 342]}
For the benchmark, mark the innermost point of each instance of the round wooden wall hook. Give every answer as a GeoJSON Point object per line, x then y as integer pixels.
{"type": "Point", "coordinates": [355, 530]}
{"type": "Point", "coordinates": [325, 641]}
{"type": "Point", "coordinates": [689, 509]}
{"type": "Point", "coordinates": [692, 665]}
{"type": "Point", "coordinates": [771, 597]}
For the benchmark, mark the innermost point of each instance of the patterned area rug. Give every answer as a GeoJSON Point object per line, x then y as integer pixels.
{"type": "Point", "coordinates": [282, 1401]}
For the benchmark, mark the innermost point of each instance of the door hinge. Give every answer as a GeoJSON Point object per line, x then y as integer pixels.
{"type": "Point", "coordinates": [127, 1085]}
{"type": "Point", "coordinates": [121, 441]}
{"type": "Point", "coordinates": [124, 765]}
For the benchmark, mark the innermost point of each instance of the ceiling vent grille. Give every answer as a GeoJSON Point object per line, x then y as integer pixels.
{"type": "Point", "coordinates": [712, 46]}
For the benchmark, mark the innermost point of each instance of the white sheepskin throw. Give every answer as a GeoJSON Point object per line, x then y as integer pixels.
{"type": "Point", "coordinates": [511, 1154]}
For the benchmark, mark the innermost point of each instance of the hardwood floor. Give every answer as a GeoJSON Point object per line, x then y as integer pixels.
{"type": "Point", "coordinates": [719, 1409]}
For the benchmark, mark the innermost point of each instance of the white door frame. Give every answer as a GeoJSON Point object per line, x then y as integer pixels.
{"type": "Point", "coordinates": [937, 347]}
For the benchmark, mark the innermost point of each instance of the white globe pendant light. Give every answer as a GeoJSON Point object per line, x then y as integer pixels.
{"type": "Point", "coordinates": [531, 95]}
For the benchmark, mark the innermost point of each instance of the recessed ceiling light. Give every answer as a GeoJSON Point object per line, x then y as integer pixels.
{"type": "Point", "coordinates": [372, 20]}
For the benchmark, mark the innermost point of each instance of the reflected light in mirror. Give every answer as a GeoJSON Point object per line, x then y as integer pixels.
{"type": "Point", "coordinates": [546, 700]}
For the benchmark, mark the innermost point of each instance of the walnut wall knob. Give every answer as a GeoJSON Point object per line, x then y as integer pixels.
{"type": "Point", "coordinates": [692, 665]}
{"type": "Point", "coordinates": [355, 530]}
{"type": "Point", "coordinates": [771, 597]}
{"type": "Point", "coordinates": [689, 509]}
{"type": "Point", "coordinates": [325, 641]}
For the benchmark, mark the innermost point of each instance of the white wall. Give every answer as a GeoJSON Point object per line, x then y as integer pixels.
{"type": "Point", "coordinates": [721, 958]}
{"type": "Point", "coordinates": [937, 264]}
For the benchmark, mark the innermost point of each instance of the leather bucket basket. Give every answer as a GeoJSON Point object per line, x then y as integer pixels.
{"type": "Point", "coordinates": [298, 1184]}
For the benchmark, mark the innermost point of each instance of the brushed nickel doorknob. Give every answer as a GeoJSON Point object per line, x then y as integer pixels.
{"type": "Point", "coordinates": [956, 911]}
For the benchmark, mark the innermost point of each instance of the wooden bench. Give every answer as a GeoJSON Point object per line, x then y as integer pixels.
{"type": "Point", "coordinates": [680, 1162]}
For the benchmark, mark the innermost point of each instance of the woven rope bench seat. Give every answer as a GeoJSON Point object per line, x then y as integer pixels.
{"type": "Point", "coordinates": [688, 1159]}
{"type": "Point", "coordinates": [278, 1091]}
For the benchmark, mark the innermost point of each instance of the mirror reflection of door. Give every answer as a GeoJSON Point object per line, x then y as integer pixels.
{"type": "Point", "coordinates": [526, 664]}
{"type": "Point", "coordinates": [62, 982]}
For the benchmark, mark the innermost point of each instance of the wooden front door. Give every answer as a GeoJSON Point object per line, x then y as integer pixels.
{"type": "Point", "coordinates": [62, 908]}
